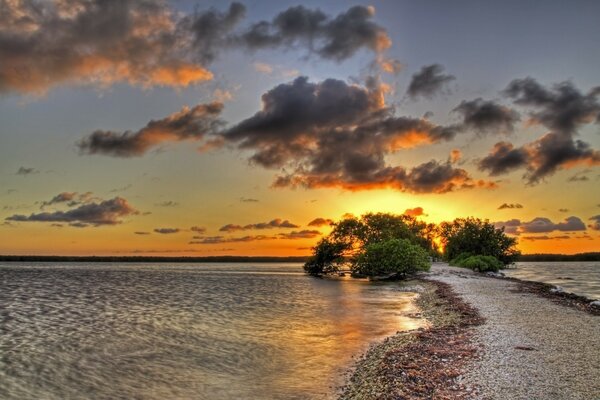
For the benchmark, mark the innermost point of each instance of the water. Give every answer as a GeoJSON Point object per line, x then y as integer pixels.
{"type": "Point", "coordinates": [185, 331]}
{"type": "Point", "coordinates": [582, 278]}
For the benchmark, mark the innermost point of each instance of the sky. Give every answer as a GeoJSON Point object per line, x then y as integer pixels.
{"type": "Point", "coordinates": [213, 128]}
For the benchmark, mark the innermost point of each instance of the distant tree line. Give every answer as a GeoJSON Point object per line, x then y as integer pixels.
{"type": "Point", "coordinates": [593, 256]}
{"type": "Point", "coordinates": [150, 259]}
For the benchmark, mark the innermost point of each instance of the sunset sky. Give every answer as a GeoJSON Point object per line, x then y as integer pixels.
{"type": "Point", "coordinates": [212, 128]}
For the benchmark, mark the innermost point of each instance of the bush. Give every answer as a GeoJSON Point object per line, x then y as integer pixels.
{"type": "Point", "coordinates": [393, 256]}
{"type": "Point", "coordinates": [478, 263]}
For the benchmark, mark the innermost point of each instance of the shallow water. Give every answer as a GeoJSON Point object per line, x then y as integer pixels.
{"type": "Point", "coordinates": [582, 278]}
{"type": "Point", "coordinates": [191, 331]}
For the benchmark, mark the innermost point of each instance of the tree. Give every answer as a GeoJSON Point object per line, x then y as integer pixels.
{"type": "Point", "coordinates": [477, 237]}
{"type": "Point", "coordinates": [356, 242]}
{"type": "Point", "coordinates": [393, 256]}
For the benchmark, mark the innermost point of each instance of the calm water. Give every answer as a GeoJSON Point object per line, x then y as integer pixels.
{"type": "Point", "coordinates": [582, 278]}
{"type": "Point", "coordinates": [197, 331]}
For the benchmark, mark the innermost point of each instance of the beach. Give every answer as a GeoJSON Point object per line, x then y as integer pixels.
{"type": "Point", "coordinates": [490, 338]}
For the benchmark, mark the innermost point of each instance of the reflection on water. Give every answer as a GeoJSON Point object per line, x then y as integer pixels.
{"type": "Point", "coordinates": [209, 331]}
{"type": "Point", "coordinates": [582, 278]}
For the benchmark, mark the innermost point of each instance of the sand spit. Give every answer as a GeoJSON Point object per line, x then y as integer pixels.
{"type": "Point", "coordinates": [489, 338]}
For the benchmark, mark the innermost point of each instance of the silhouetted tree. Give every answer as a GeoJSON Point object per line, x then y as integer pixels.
{"type": "Point", "coordinates": [356, 242]}
{"type": "Point", "coordinates": [477, 237]}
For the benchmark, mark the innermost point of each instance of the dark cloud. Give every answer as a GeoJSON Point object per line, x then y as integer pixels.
{"type": "Point", "coordinates": [562, 108]}
{"type": "Point", "coordinates": [141, 233]}
{"type": "Point", "coordinates": [222, 239]}
{"type": "Point", "coordinates": [503, 158]}
{"type": "Point", "coordinates": [579, 177]}
{"type": "Point", "coordinates": [148, 43]}
{"type": "Point", "coordinates": [121, 189]}
{"type": "Point", "coordinates": [43, 44]}
{"type": "Point", "coordinates": [275, 223]}
{"type": "Point", "coordinates": [509, 205]}
{"type": "Point", "coordinates": [543, 225]}
{"type": "Point", "coordinates": [487, 116]}
{"type": "Point", "coordinates": [510, 226]}
{"type": "Point", "coordinates": [545, 237]}
{"type": "Point", "coordinates": [167, 203]}
{"type": "Point", "coordinates": [304, 234]}
{"type": "Point", "coordinates": [247, 200]}
{"type": "Point", "coordinates": [555, 151]}
{"type": "Point", "coordinates": [320, 222]}
{"type": "Point", "coordinates": [167, 231]}
{"type": "Point", "coordinates": [186, 124]}
{"type": "Point", "coordinates": [595, 222]}
{"type": "Point", "coordinates": [198, 229]}
{"type": "Point", "coordinates": [429, 81]}
{"type": "Point", "coordinates": [70, 198]}
{"type": "Point", "coordinates": [336, 38]}
{"type": "Point", "coordinates": [414, 212]}
{"type": "Point", "coordinates": [541, 158]}
{"type": "Point", "coordinates": [332, 134]}
{"type": "Point", "coordinates": [563, 210]}
{"type": "Point", "coordinates": [26, 171]}
{"type": "Point", "coordinates": [107, 212]}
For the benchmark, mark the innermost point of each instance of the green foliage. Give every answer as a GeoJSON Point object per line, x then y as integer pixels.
{"type": "Point", "coordinates": [477, 237]}
{"type": "Point", "coordinates": [392, 256]}
{"type": "Point", "coordinates": [327, 258]}
{"type": "Point", "coordinates": [351, 238]}
{"type": "Point", "coordinates": [478, 263]}
{"type": "Point", "coordinates": [456, 261]}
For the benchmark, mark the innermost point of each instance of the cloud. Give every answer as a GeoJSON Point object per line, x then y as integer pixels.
{"type": "Point", "coordinates": [334, 134]}
{"type": "Point", "coordinates": [167, 231]}
{"type": "Point", "coordinates": [107, 212]}
{"type": "Point", "coordinates": [541, 158]}
{"type": "Point", "coordinates": [487, 116]}
{"type": "Point", "coordinates": [149, 43]}
{"type": "Point", "coordinates": [168, 203]}
{"type": "Point", "coordinates": [429, 81]}
{"type": "Point", "coordinates": [504, 206]}
{"type": "Point", "coordinates": [545, 237]}
{"type": "Point", "coordinates": [70, 198]}
{"type": "Point", "coordinates": [24, 171]}
{"type": "Point", "coordinates": [580, 176]}
{"type": "Point", "coordinates": [511, 226]}
{"type": "Point", "coordinates": [320, 222]}
{"type": "Point", "coordinates": [304, 234]}
{"type": "Point", "coordinates": [275, 223]}
{"type": "Point", "coordinates": [414, 212]}
{"type": "Point", "coordinates": [543, 225]}
{"type": "Point", "coordinates": [563, 109]}
{"type": "Point", "coordinates": [222, 239]}
{"type": "Point", "coordinates": [336, 38]}
{"type": "Point", "coordinates": [141, 233]}
{"type": "Point", "coordinates": [198, 229]}
{"type": "Point", "coordinates": [563, 210]}
{"type": "Point", "coordinates": [248, 200]}
{"type": "Point", "coordinates": [595, 222]}
{"type": "Point", "coordinates": [43, 44]}
{"type": "Point", "coordinates": [186, 124]}
{"type": "Point", "coordinates": [503, 158]}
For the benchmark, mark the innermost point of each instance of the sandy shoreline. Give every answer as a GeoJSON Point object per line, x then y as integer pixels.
{"type": "Point", "coordinates": [490, 338]}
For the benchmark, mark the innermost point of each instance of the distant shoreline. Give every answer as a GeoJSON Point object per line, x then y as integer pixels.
{"type": "Point", "coordinates": [152, 259]}
{"type": "Point", "coordinates": [592, 256]}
